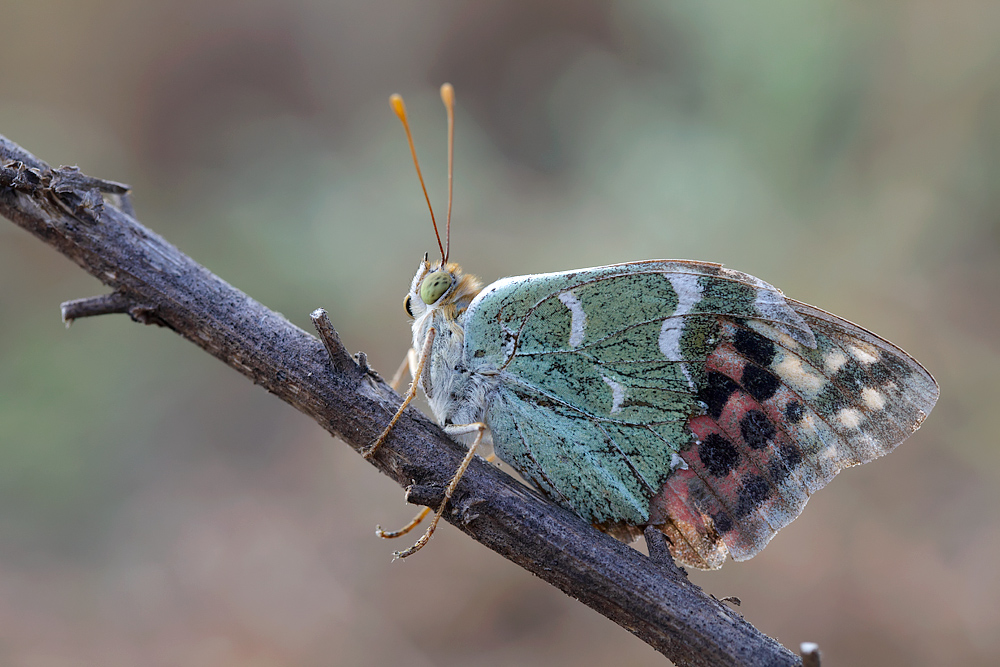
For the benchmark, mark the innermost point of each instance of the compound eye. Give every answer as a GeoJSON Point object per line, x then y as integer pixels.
{"type": "Point", "coordinates": [434, 286]}
{"type": "Point", "coordinates": [406, 306]}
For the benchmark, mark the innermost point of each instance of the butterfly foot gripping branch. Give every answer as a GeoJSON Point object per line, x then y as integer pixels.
{"type": "Point", "coordinates": [458, 429]}
{"type": "Point", "coordinates": [419, 495]}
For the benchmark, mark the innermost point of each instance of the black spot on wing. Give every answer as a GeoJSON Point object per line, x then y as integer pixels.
{"type": "Point", "coordinates": [718, 455]}
{"type": "Point", "coordinates": [778, 471]}
{"type": "Point", "coordinates": [755, 491]}
{"type": "Point", "coordinates": [754, 347]}
{"type": "Point", "coordinates": [852, 379]}
{"type": "Point", "coordinates": [759, 383]}
{"type": "Point", "coordinates": [722, 522]}
{"type": "Point", "coordinates": [830, 399]}
{"type": "Point", "coordinates": [756, 429]}
{"type": "Point", "coordinates": [881, 373]}
{"type": "Point", "coordinates": [716, 393]}
{"type": "Point", "coordinates": [794, 412]}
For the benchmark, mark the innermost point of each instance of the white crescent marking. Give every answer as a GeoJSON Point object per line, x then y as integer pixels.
{"type": "Point", "coordinates": [688, 294]}
{"type": "Point", "coordinates": [617, 394]}
{"type": "Point", "coordinates": [578, 318]}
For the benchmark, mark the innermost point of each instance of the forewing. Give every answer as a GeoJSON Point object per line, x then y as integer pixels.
{"type": "Point", "coordinates": [781, 420]}
{"type": "Point", "coordinates": [685, 395]}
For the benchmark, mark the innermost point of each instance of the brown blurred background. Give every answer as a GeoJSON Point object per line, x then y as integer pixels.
{"type": "Point", "coordinates": [158, 509]}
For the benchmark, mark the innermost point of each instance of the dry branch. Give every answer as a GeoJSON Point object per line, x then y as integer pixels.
{"type": "Point", "coordinates": [91, 222]}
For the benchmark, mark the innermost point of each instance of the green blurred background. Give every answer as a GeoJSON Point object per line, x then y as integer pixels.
{"type": "Point", "coordinates": [158, 509]}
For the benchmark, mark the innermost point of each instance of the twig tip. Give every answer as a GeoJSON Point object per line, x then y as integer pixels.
{"type": "Point", "coordinates": [339, 356]}
{"type": "Point", "coordinates": [810, 654]}
{"type": "Point", "coordinates": [104, 304]}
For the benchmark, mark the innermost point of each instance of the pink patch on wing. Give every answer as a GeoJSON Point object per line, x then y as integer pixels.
{"type": "Point", "coordinates": [736, 478]}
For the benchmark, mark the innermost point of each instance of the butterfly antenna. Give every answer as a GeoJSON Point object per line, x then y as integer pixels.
{"type": "Point", "coordinates": [448, 97]}
{"type": "Point", "coordinates": [397, 105]}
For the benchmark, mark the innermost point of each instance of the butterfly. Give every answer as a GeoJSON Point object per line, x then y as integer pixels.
{"type": "Point", "coordinates": [669, 393]}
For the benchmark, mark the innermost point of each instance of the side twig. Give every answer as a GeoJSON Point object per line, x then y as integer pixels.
{"type": "Point", "coordinates": [339, 356]}
{"type": "Point", "coordinates": [105, 304]}
{"type": "Point", "coordinates": [90, 221]}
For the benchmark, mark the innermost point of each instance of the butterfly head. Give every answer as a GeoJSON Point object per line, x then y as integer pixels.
{"type": "Point", "coordinates": [443, 286]}
{"type": "Point", "coordinates": [440, 287]}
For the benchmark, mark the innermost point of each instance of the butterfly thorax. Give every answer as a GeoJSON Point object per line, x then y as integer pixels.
{"type": "Point", "coordinates": [438, 300]}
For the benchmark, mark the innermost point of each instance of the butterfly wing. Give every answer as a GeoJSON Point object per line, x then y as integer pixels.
{"type": "Point", "coordinates": [686, 396]}
{"type": "Point", "coordinates": [782, 420]}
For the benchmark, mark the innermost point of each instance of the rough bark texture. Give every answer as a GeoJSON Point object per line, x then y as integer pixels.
{"type": "Point", "coordinates": [91, 222]}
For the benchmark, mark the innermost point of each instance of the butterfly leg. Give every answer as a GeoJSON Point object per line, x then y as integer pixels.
{"type": "Point", "coordinates": [414, 522]}
{"type": "Point", "coordinates": [410, 395]}
{"type": "Point", "coordinates": [456, 429]}
{"type": "Point", "coordinates": [410, 362]}
{"type": "Point", "coordinates": [421, 515]}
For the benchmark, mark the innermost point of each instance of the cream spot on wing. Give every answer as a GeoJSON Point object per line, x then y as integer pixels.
{"type": "Point", "coordinates": [767, 331]}
{"type": "Point", "coordinates": [798, 376]}
{"type": "Point", "coordinates": [617, 394]}
{"type": "Point", "coordinates": [578, 318]}
{"type": "Point", "coordinates": [808, 422]}
{"type": "Point", "coordinates": [863, 352]}
{"type": "Point", "coordinates": [873, 398]}
{"type": "Point", "coordinates": [834, 360]}
{"type": "Point", "coordinates": [849, 418]}
{"type": "Point", "coordinates": [677, 462]}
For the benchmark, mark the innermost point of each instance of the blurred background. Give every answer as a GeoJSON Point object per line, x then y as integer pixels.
{"type": "Point", "coordinates": [158, 509]}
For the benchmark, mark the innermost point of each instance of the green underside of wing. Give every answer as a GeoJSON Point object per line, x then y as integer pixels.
{"type": "Point", "coordinates": [604, 471]}
{"type": "Point", "coordinates": [662, 395]}
{"type": "Point", "coordinates": [600, 370]}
